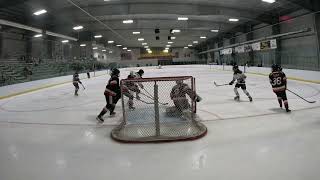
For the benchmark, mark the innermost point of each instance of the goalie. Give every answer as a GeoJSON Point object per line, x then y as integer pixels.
{"type": "Point", "coordinates": [181, 104]}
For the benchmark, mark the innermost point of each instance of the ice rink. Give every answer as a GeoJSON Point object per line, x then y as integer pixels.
{"type": "Point", "coordinates": [51, 134]}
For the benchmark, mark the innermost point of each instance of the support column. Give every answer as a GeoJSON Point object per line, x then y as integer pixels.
{"type": "Point", "coordinates": [249, 37]}
{"type": "Point", "coordinates": [317, 30]}
{"type": "Point", "coordinates": [1, 44]}
{"type": "Point", "coordinates": [275, 31]}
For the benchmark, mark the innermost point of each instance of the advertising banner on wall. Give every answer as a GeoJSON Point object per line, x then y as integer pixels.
{"type": "Point", "coordinates": [226, 51]}
{"type": "Point", "coordinates": [273, 44]}
{"type": "Point", "coordinates": [239, 49]}
{"type": "Point", "coordinates": [256, 46]}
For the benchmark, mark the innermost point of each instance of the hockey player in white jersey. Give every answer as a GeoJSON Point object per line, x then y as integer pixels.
{"type": "Point", "coordinates": [133, 87]}
{"type": "Point", "coordinates": [240, 79]}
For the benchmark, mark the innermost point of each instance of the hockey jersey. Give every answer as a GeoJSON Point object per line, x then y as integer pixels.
{"type": "Point", "coordinates": [76, 78]}
{"type": "Point", "coordinates": [113, 87]}
{"type": "Point", "coordinates": [278, 81]}
{"type": "Point", "coordinates": [239, 77]}
{"type": "Point", "coordinates": [179, 91]}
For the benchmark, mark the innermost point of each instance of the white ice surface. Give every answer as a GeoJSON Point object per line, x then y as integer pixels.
{"type": "Point", "coordinates": [50, 134]}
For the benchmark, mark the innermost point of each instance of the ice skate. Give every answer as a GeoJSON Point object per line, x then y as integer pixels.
{"type": "Point", "coordinates": [100, 119]}
{"type": "Point", "coordinates": [237, 98]}
{"type": "Point", "coordinates": [250, 98]}
{"type": "Point", "coordinates": [112, 114]}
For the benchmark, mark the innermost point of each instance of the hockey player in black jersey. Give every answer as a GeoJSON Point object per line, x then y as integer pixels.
{"type": "Point", "coordinates": [278, 81]}
{"type": "Point", "coordinates": [240, 78]}
{"type": "Point", "coordinates": [112, 94]}
{"type": "Point", "coordinates": [75, 82]}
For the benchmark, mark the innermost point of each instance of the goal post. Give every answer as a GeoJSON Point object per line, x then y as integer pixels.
{"type": "Point", "coordinates": [158, 110]}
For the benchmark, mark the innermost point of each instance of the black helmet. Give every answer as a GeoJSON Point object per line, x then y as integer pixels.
{"type": "Point", "coordinates": [141, 72]}
{"type": "Point", "coordinates": [235, 67]}
{"type": "Point", "coordinates": [115, 72]}
{"type": "Point", "coordinates": [275, 67]}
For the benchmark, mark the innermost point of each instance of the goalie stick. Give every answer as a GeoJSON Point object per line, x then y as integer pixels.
{"type": "Point", "coordinates": [301, 97]}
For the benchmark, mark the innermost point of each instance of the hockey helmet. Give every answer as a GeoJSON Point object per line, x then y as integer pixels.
{"type": "Point", "coordinates": [115, 72]}
{"type": "Point", "coordinates": [235, 67]}
{"type": "Point", "coordinates": [275, 67]}
{"type": "Point", "coordinates": [141, 72]}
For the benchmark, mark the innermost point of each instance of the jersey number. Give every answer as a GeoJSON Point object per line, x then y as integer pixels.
{"type": "Point", "coordinates": [276, 81]}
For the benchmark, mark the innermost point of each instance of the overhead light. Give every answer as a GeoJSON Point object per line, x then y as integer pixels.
{"type": "Point", "coordinates": [168, 45]}
{"type": "Point", "coordinates": [233, 20]}
{"type": "Point", "coordinates": [98, 36]}
{"type": "Point", "coordinates": [269, 1]}
{"type": "Point", "coordinates": [136, 32]}
{"type": "Point", "coordinates": [146, 47]}
{"type": "Point", "coordinates": [124, 48]}
{"type": "Point", "coordinates": [143, 44]}
{"type": "Point", "coordinates": [190, 45]}
{"type": "Point", "coordinates": [176, 31]}
{"type": "Point", "coordinates": [65, 41]}
{"type": "Point", "coordinates": [42, 11]}
{"type": "Point", "coordinates": [173, 37]}
{"type": "Point", "coordinates": [119, 45]}
{"type": "Point", "coordinates": [129, 21]}
{"type": "Point", "coordinates": [186, 47]}
{"type": "Point", "coordinates": [203, 37]}
{"type": "Point", "coordinates": [77, 27]}
{"type": "Point", "coordinates": [103, 50]}
{"type": "Point", "coordinates": [165, 51]}
{"type": "Point", "coordinates": [140, 39]}
{"type": "Point", "coordinates": [214, 30]}
{"type": "Point", "coordinates": [110, 52]}
{"type": "Point", "coordinates": [129, 50]}
{"type": "Point", "coordinates": [195, 42]}
{"type": "Point", "coordinates": [37, 35]}
{"type": "Point", "coordinates": [106, 0]}
{"type": "Point", "coordinates": [110, 42]}
{"type": "Point", "coordinates": [94, 48]}
{"type": "Point", "coordinates": [170, 42]}
{"type": "Point", "coordinates": [83, 45]}
{"type": "Point", "coordinates": [183, 18]}
{"type": "Point", "coordinates": [150, 52]}
{"type": "Point", "coordinates": [166, 48]}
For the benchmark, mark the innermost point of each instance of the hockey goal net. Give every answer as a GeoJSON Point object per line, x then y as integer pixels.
{"type": "Point", "coordinates": [158, 110]}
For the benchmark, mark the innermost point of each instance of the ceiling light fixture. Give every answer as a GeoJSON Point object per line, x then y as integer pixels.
{"type": "Point", "coordinates": [233, 20]}
{"type": "Point", "coordinates": [176, 31]}
{"type": "Point", "coordinates": [173, 38]}
{"type": "Point", "coordinates": [183, 18]}
{"type": "Point", "coordinates": [103, 50]}
{"type": "Point", "coordinates": [124, 48]}
{"type": "Point", "coordinates": [214, 30]}
{"type": "Point", "coordinates": [170, 42]}
{"type": "Point", "coordinates": [140, 39]}
{"type": "Point", "coordinates": [136, 32]}
{"type": "Point", "coordinates": [186, 47]}
{"type": "Point", "coordinates": [37, 35]}
{"type": "Point", "coordinates": [195, 42]}
{"type": "Point", "coordinates": [190, 45]}
{"type": "Point", "coordinates": [42, 11]}
{"type": "Point", "coordinates": [129, 50]}
{"type": "Point", "coordinates": [110, 42]}
{"type": "Point", "coordinates": [203, 37]}
{"type": "Point", "coordinates": [77, 27]}
{"type": "Point", "coordinates": [98, 36]}
{"type": "Point", "coordinates": [83, 45]}
{"type": "Point", "coordinates": [94, 48]}
{"type": "Point", "coordinates": [129, 21]}
{"type": "Point", "coordinates": [65, 41]}
{"type": "Point", "coordinates": [143, 44]}
{"type": "Point", "coordinates": [119, 45]}
{"type": "Point", "coordinates": [269, 1]}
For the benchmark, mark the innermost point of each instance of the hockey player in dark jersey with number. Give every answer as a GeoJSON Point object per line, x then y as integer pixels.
{"type": "Point", "coordinates": [278, 81]}
{"type": "Point", "coordinates": [75, 82]}
{"type": "Point", "coordinates": [112, 94]}
{"type": "Point", "coordinates": [241, 83]}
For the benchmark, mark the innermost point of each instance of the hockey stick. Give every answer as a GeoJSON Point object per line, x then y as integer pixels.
{"type": "Point", "coordinates": [83, 86]}
{"type": "Point", "coordinates": [153, 98]}
{"type": "Point", "coordinates": [301, 97]}
{"type": "Point", "coordinates": [219, 84]}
